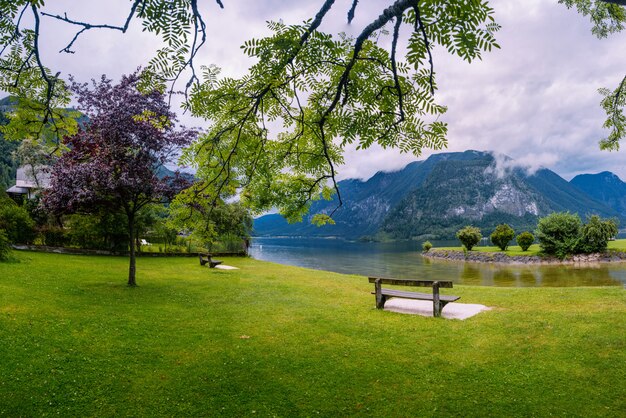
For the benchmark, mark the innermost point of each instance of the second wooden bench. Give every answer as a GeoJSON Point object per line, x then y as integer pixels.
{"type": "Point", "coordinates": [206, 258]}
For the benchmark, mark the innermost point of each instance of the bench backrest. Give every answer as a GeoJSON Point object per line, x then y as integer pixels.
{"type": "Point", "coordinates": [411, 282]}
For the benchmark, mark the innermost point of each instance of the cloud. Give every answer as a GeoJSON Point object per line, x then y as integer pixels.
{"type": "Point", "coordinates": [530, 163]}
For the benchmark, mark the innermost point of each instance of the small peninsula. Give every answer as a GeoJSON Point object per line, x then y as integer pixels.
{"type": "Point", "coordinates": [613, 255]}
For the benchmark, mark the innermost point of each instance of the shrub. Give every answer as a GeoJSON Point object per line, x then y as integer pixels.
{"type": "Point", "coordinates": [227, 243]}
{"type": "Point", "coordinates": [426, 246]}
{"type": "Point", "coordinates": [501, 236]}
{"type": "Point", "coordinates": [559, 233]}
{"type": "Point", "coordinates": [595, 234]}
{"type": "Point", "coordinates": [53, 236]}
{"type": "Point", "coordinates": [5, 246]}
{"type": "Point", "coordinates": [525, 240]}
{"type": "Point", "coordinates": [104, 231]}
{"type": "Point", "coordinates": [469, 236]}
{"type": "Point", "coordinates": [17, 223]}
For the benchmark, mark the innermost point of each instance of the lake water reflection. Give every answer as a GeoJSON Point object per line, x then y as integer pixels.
{"type": "Point", "coordinates": [403, 260]}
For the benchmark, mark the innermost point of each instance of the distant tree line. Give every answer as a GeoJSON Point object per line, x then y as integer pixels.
{"type": "Point", "coordinates": [8, 165]}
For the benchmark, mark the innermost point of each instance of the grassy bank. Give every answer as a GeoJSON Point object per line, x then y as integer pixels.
{"type": "Point", "coordinates": [512, 250]}
{"type": "Point", "coordinates": [516, 250]}
{"type": "Point", "coordinates": [271, 340]}
{"type": "Point", "coordinates": [618, 244]}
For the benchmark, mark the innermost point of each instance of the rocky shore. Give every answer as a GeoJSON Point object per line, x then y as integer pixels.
{"type": "Point", "coordinates": [503, 258]}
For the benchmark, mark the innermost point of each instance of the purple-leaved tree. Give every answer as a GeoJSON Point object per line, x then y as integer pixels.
{"type": "Point", "coordinates": [112, 162]}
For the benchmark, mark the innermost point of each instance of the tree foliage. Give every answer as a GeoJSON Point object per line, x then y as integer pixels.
{"type": "Point", "coordinates": [41, 97]}
{"type": "Point", "coordinates": [559, 233]}
{"type": "Point", "coordinates": [525, 240]}
{"type": "Point", "coordinates": [5, 246]}
{"type": "Point", "coordinates": [501, 236]}
{"type": "Point", "coordinates": [596, 233]}
{"type": "Point", "coordinates": [101, 230]}
{"type": "Point", "coordinates": [607, 17]}
{"type": "Point", "coordinates": [44, 95]}
{"type": "Point", "coordinates": [614, 103]}
{"type": "Point", "coordinates": [469, 236]}
{"type": "Point", "coordinates": [562, 234]}
{"type": "Point", "coordinates": [16, 222]}
{"type": "Point", "coordinates": [8, 166]}
{"type": "Point", "coordinates": [318, 93]}
{"type": "Point", "coordinates": [112, 161]}
{"type": "Point", "coordinates": [208, 223]}
{"type": "Point", "coordinates": [327, 93]}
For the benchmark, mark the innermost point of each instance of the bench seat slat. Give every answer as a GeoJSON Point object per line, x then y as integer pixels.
{"type": "Point", "coordinates": [416, 295]}
{"type": "Point", "coordinates": [411, 282]}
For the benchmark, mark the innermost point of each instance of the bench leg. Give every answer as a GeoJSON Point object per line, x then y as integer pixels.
{"type": "Point", "coordinates": [380, 299]}
{"type": "Point", "coordinates": [437, 305]}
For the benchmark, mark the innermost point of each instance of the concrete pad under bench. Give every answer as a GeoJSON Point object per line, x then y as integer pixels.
{"type": "Point", "coordinates": [453, 310]}
{"type": "Point", "coordinates": [223, 267]}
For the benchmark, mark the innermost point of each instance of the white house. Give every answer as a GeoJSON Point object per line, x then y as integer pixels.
{"type": "Point", "coordinates": [29, 180]}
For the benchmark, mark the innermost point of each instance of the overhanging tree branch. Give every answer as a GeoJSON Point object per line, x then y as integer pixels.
{"type": "Point", "coordinates": [88, 26]}
{"type": "Point", "coordinates": [420, 25]}
{"type": "Point", "coordinates": [325, 92]}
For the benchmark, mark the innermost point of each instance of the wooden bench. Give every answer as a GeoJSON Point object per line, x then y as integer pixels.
{"type": "Point", "coordinates": [439, 301]}
{"type": "Point", "coordinates": [206, 258]}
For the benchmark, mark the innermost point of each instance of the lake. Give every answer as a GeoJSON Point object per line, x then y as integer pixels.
{"type": "Point", "coordinates": [403, 260]}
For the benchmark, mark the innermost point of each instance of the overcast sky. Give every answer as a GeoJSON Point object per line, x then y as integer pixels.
{"type": "Point", "coordinates": [534, 100]}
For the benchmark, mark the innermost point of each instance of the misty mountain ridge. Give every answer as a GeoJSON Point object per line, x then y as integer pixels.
{"type": "Point", "coordinates": [435, 197]}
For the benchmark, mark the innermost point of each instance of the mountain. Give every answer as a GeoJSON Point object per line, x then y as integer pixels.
{"type": "Point", "coordinates": [605, 187]}
{"type": "Point", "coordinates": [162, 172]}
{"type": "Point", "coordinates": [436, 197]}
{"type": "Point", "coordinates": [365, 203]}
{"type": "Point", "coordinates": [458, 193]}
{"type": "Point", "coordinates": [7, 104]}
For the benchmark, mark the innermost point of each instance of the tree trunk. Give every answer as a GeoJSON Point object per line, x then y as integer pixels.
{"type": "Point", "coordinates": [131, 247]}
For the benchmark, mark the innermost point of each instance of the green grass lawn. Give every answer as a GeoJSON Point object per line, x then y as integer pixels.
{"type": "Point", "coordinates": [271, 340]}
{"type": "Point", "coordinates": [618, 244]}
{"type": "Point", "coordinates": [512, 250]}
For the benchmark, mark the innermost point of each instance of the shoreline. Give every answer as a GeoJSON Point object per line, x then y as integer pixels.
{"type": "Point", "coordinates": [502, 258]}
{"type": "Point", "coordinates": [87, 251]}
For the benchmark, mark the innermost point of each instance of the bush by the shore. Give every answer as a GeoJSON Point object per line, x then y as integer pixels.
{"type": "Point", "coordinates": [562, 234]}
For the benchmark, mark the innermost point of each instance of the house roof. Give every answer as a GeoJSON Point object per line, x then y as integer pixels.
{"type": "Point", "coordinates": [17, 190]}
{"type": "Point", "coordinates": [29, 179]}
